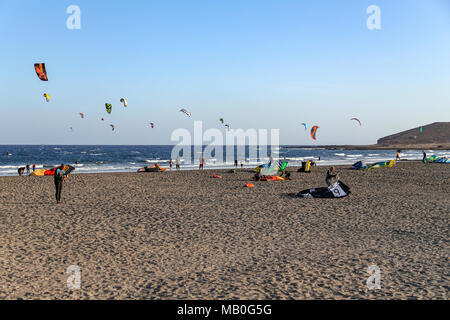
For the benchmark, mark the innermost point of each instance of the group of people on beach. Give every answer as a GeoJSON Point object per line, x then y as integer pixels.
{"type": "Point", "coordinates": [28, 168]}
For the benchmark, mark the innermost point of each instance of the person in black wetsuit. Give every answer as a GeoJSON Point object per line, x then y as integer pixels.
{"type": "Point", "coordinates": [59, 178]}
{"type": "Point", "coordinates": [332, 176]}
{"type": "Point", "coordinates": [424, 159]}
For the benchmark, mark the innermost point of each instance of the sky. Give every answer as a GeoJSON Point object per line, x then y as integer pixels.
{"type": "Point", "coordinates": [257, 64]}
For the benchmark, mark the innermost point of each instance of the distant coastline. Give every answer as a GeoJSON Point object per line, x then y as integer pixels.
{"type": "Point", "coordinates": [429, 146]}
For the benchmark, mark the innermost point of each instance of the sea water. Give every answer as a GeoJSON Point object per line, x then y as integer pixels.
{"type": "Point", "coordinates": [107, 158]}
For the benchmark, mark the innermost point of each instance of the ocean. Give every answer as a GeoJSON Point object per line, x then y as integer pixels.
{"type": "Point", "coordinates": [108, 158]}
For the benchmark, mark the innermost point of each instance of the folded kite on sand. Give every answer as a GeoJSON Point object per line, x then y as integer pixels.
{"type": "Point", "coordinates": [336, 190]}
{"type": "Point", "coordinates": [383, 164]}
{"type": "Point", "coordinates": [359, 166]}
{"type": "Point", "coordinates": [273, 178]}
{"type": "Point", "coordinates": [249, 185]}
{"type": "Point", "coordinates": [216, 176]}
{"type": "Point", "coordinates": [436, 159]}
{"type": "Point", "coordinates": [152, 168]}
{"type": "Point", "coordinates": [271, 168]}
{"type": "Point", "coordinates": [50, 172]}
{"type": "Point", "coordinates": [362, 166]}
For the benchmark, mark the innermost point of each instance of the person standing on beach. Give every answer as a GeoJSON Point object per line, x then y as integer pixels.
{"type": "Point", "coordinates": [171, 164]}
{"type": "Point", "coordinates": [59, 178]}
{"type": "Point", "coordinates": [202, 161]}
{"type": "Point", "coordinates": [28, 168]}
{"type": "Point", "coordinates": [235, 163]}
{"type": "Point", "coordinates": [178, 163]}
{"type": "Point", "coordinates": [34, 167]}
{"type": "Point", "coordinates": [397, 156]}
{"type": "Point", "coordinates": [332, 176]}
{"type": "Point", "coordinates": [424, 159]}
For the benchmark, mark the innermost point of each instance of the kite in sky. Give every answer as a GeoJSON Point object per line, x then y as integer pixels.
{"type": "Point", "coordinates": [356, 119]}
{"type": "Point", "coordinates": [124, 101]}
{"type": "Point", "coordinates": [313, 132]}
{"type": "Point", "coordinates": [41, 71]}
{"type": "Point", "coordinates": [108, 107]}
{"type": "Point", "coordinates": [186, 112]}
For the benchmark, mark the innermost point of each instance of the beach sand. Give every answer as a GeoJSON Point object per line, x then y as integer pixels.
{"type": "Point", "coordinates": [185, 235]}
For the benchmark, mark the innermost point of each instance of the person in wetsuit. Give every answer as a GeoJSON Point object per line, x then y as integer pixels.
{"type": "Point", "coordinates": [424, 159]}
{"type": "Point", "coordinates": [332, 176]}
{"type": "Point", "coordinates": [59, 178]}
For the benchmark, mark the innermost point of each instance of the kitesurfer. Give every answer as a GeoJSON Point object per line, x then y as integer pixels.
{"type": "Point", "coordinates": [202, 162]}
{"type": "Point", "coordinates": [332, 176]}
{"type": "Point", "coordinates": [59, 177]}
{"type": "Point", "coordinates": [424, 159]}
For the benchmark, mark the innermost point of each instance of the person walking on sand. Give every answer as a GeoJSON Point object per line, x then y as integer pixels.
{"type": "Point", "coordinates": [332, 176]}
{"type": "Point", "coordinates": [59, 177]}
{"type": "Point", "coordinates": [424, 159]}
{"type": "Point", "coordinates": [171, 164]}
{"type": "Point", "coordinates": [28, 168]}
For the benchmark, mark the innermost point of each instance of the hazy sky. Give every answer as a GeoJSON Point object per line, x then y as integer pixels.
{"type": "Point", "coordinates": [256, 63]}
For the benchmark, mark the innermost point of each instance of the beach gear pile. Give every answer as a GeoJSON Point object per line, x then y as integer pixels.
{"type": "Point", "coordinates": [306, 167]}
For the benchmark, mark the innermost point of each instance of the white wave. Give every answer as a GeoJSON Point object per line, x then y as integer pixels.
{"type": "Point", "coordinates": [354, 155]}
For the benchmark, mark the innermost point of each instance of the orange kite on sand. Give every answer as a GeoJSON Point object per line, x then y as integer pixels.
{"type": "Point", "coordinates": [249, 185]}
{"type": "Point", "coordinates": [216, 176]}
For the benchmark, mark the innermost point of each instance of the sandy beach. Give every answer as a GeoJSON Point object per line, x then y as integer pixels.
{"type": "Point", "coordinates": [185, 235]}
